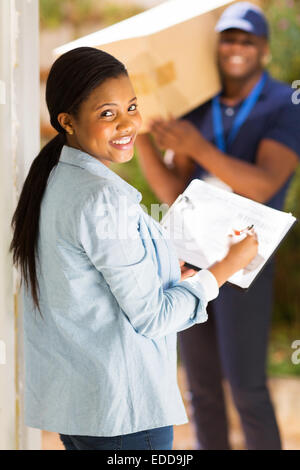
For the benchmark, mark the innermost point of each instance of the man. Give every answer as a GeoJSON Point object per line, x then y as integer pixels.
{"type": "Point", "coordinates": [246, 139]}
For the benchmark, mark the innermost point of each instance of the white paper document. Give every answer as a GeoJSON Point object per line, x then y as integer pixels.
{"type": "Point", "coordinates": [202, 218]}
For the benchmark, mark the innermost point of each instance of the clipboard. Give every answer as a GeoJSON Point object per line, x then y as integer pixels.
{"type": "Point", "coordinates": [214, 208]}
{"type": "Point", "coordinates": [246, 289]}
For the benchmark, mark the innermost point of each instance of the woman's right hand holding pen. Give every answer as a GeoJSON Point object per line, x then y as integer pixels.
{"type": "Point", "coordinates": [239, 255]}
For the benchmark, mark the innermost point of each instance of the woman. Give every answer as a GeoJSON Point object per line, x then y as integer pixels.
{"type": "Point", "coordinates": [100, 355]}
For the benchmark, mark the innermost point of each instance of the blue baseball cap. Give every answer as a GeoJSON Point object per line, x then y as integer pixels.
{"type": "Point", "coordinates": [244, 16]}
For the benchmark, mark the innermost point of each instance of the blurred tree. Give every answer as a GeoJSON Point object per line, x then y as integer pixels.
{"type": "Point", "coordinates": [50, 13]}
{"type": "Point", "coordinates": [77, 12]}
{"type": "Point", "coordinates": [284, 19]}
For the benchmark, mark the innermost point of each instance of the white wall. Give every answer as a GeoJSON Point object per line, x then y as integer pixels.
{"type": "Point", "coordinates": [19, 143]}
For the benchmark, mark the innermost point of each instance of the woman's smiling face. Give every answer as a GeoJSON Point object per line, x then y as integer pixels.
{"type": "Point", "coordinates": [107, 122]}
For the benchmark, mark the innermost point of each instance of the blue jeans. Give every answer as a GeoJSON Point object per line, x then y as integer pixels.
{"type": "Point", "coordinates": [152, 439]}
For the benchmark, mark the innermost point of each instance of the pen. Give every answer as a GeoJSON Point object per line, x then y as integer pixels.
{"type": "Point", "coordinates": [239, 232]}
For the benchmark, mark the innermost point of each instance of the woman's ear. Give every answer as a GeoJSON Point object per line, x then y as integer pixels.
{"type": "Point", "coordinates": [65, 121]}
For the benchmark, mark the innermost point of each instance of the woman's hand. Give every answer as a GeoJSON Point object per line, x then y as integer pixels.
{"type": "Point", "coordinates": [240, 254]}
{"type": "Point", "coordinates": [185, 272]}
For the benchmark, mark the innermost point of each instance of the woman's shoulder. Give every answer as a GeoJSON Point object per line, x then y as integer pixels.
{"type": "Point", "coordinates": [100, 189]}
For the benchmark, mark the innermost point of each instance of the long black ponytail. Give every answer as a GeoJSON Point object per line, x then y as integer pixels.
{"type": "Point", "coordinates": [72, 78]}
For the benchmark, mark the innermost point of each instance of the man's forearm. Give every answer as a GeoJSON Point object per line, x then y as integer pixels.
{"type": "Point", "coordinates": [244, 178]}
{"type": "Point", "coordinates": [164, 183]}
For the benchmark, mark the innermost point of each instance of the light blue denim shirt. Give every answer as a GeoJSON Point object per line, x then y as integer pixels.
{"type": "Point", "coordinates": [101, 361]}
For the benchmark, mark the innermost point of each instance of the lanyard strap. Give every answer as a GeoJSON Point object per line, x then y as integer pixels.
{"type": "Point", "coordinates": [241, 116]}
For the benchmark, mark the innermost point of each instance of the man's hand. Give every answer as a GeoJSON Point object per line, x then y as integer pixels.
{"type": "Point", "coordinates": [179, 135]}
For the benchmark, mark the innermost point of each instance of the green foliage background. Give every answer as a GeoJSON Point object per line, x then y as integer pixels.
{"type": "Point", "coordinates": [54, 12]}
{"type": "Point", "coordinates": [284, 19]}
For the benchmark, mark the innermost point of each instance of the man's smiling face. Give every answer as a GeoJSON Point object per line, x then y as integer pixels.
{"type": "Point", "coordinates": [240, 54]}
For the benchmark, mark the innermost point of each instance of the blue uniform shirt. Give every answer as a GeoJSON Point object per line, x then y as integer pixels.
{"type": "Point", "coordinates": [274, 116]}
{"type": "Point", "coordinates": [101, 361]}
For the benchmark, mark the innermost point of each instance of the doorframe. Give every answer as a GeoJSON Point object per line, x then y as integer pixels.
{"type": "Point", "coordinates": [19, 144]}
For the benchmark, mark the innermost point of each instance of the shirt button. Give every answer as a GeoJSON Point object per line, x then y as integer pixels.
{"type": "Point", "coordinates": [229, 112]}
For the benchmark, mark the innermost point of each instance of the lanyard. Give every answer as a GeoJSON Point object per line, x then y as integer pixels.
{"type": "Point", "coordinates": [241, 116]}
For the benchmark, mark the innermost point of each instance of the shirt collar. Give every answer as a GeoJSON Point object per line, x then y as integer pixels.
{"type": "Point", "coordinates": [264, 91]}
{"type": "Point", "coordinates": [266, 88]}
{"type": "Point", "coordinates": [73, 156]}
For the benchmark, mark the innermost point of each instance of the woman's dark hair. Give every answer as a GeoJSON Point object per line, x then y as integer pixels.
{"type": "Point", "coordinates": [73, 76]}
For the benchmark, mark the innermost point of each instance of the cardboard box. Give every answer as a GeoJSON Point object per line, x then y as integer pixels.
{"type": "Point", "coordinates": [169, 52]}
